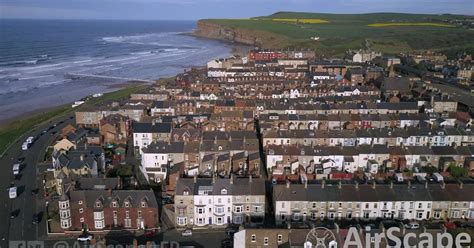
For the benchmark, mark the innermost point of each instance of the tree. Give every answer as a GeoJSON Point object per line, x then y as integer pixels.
{"type": "Point", "coordinates": [457, 171]}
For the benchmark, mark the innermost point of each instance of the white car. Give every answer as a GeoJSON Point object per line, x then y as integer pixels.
{"type": "Point", "coordinates": [16, 169]}
{"type": "Point", "coordinates": [84, 238]}
{"type": "Point", "coordinates": [25, 146]}
{"type": "Point", "coordinates": [412, 225]}
{"type": "Point", "coordinates": [12, 192]}
{"type": "Point", "coordinates": [187, 233]}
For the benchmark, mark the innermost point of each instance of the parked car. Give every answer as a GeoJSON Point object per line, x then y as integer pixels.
{"type": "Point", "coordinates": [187, 233]}
{"type": "Point", "coordinates": [412, 225]}
{"type": "Point", "coordinates": [14, 214]}
{"type": "Point", "coordinates": [35, 219]}
{"type": "Point", "coordinates": [34, 191]}
{"type": "Point", "coordinates": [85, 237]}
{"type": "Point", "coordinates": [231, 230]}
{"type": "Point", "coordinates": [12, 193]}
{"type": "Point", "coordinates": [149, 233]}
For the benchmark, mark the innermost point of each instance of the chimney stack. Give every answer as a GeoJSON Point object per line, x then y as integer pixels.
{"type": "Point", "coordinates": [82, 157]}
{"type": "Point", "coordinates": [391, 184]}
{"type": "Point", "coordinates": [340, 184]}
{"type": "Point", "coordinates": [373, 185]}
{"type": "Point", "coordinates": [357, 185]}
{"type": "Point", "coordinates": [409, 184]}
{"type": "Point", "coordinates": [231, 179]}
{"type": "Point", "coordinates": [306, 183]}
{"type": "Point", "coordinates": [323, 184]}
{"type": "Point", "coordinates": [460, 185]}
{"type": "Point", "coordinates": [250, 179]}
{"type": "Point", "coordinates": [288, 183]}
{"type": "Point", "coordinates": [195, 178]}
{"type": "Point", "coordinates": [443, 185]}
{"type": "Point", "coordinates": [426, 184]}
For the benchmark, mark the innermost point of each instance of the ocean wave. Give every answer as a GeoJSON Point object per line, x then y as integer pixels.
{"type": "Point", "coordinates": [35, 77]}
{"type": "Point", "coordinates": [23, 62]}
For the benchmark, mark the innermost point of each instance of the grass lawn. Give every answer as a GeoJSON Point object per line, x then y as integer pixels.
{"type": "Point", "coordinates": [390, 33]}
{"type": "Point", "coordinates": [408, 24]}
{"type": "Point", "coordinates": [13, 130]}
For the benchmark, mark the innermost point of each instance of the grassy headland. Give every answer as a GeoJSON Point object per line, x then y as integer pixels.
{"type": "Point", "coordinates": [13, 130]}
{"type": "Point", "coordinates": [386, 32]}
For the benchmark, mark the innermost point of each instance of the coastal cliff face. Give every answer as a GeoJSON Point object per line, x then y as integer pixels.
{"type": "Point", "coordinates": [208, 29]}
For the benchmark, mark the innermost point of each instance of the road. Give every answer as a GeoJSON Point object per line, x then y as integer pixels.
{"type": "Point", "coordinates": [26, 204]}
{"type": "Point", "coordinates": [200, 238]}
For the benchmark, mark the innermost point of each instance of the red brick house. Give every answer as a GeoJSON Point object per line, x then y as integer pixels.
{"type": "Point", "coordinates": [97, 210]}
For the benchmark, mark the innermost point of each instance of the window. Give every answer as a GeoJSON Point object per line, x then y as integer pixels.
{"type": "Point", "coordinates": [139, 214]}
{"type": "Point", "coordinates": [114, 204]}
{"type": "Point", "coordinates": [98, 204]}
{"type": "Point", "coordinates": [200, 210]}
{"type": "Point", "coordinates": [99, 224]}
{"type": "Point", "coordinates": [419, 215]}
{"type": "Point", "coordinates": [81, 210]}
{"type": "Point", "coordinates": [182, 221]}
{"type": "Point", "coordinates": [200, 221]}
{"type": "Point", "coordinates": [280, 238]}
{"type": "Point", "coordinates": [265, 241]}
{"type": "Point", "coordinates": [420, 205]}
{"type": "Point", "coordinates": [238, 209]}
{"type": "Point", "coordinates": [253, 238]}
{"type": "Point", "coordinates": [143, 204]}
{"type": "Point", "coordinates": [257, 209]}
{"type": "Point", "coordinates": [80, 202]}
{"type": "Point", "coordinates": [127, 204]}
{"type": "Point", "coordinates": [219, 210]}
{"type": "Point", "coordinates": [314, 205]}
{"type": "Point", "coordinates": [81, 220]}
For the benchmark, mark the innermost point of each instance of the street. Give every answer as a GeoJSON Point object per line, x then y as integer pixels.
{"type": "Point", "coordinates": [26, 204]}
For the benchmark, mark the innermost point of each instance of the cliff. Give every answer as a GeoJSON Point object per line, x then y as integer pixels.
{"type": "Point", "coordinates": [212, 30]}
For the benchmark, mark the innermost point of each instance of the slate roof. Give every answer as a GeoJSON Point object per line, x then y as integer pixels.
{"type": "Point", "coordinates": [106, 197]}
{"type": "Point", "coordinates": [369, 193]}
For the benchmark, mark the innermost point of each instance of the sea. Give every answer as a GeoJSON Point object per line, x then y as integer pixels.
{"type": "Point", "coordinates": [47, 63]}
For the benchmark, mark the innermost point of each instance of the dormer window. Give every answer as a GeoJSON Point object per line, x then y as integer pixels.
{"type": "Point", "coordinates": [80, 202]}
{"type": "Point", "coordinates": [114, 204]}
{"type": "Point", "coordinates": [127, 204]}
{"type": "Point", "coordinates": [185, 192]}
{"type": "Point", "coordinates": [224, 191]}
{"type": "Point", "coordinates": [98, 204]}
{"type": "Point", "coordinates": [143, 204]}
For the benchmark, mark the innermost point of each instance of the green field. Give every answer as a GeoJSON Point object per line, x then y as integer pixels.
{"type": "Point", "coordinates": [390, 33]}
{"type": "Point", "coordinates": [13, 130]}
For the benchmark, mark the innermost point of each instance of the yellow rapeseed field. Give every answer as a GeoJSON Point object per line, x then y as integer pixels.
{"type": "Point", "coordinates": [306, 21]}
{"type": "Point", "coordinates": [395, 24]}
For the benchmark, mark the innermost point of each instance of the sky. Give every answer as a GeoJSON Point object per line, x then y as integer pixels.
{"type": "Point", "coordinates": [198, 9]}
